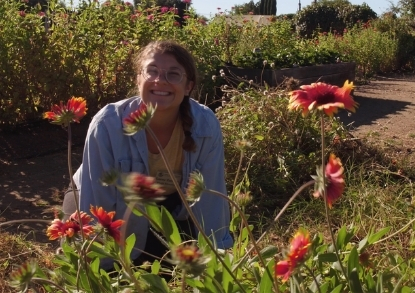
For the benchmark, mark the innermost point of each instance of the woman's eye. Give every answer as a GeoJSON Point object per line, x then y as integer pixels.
{"type": "Point", "coordinates": [173, 73]}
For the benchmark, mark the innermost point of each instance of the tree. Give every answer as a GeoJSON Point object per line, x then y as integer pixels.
{"type": "Point", "coordinates": [268, 7]}
{"type": "Point", "coordinates": [407, 7]}
{"type": "Point", "coordinates": [247, 8]}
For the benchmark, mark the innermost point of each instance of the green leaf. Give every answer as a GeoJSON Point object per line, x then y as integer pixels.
{"type": "Point", "coordinates": [327, 257]}
{"type": "Point", "coordinates": [129, 245]}
{"type": "Point", "coordinates": [267, 252]}
{"type": "Point", "coordinates": [362, 244]}
{"type": "Point", "coordinates": [156, 283]}
{"type": "Point", "coordinates": [375, 237]}
{"type": "Point", "coordinates": [343, 237]}
{"type": "Point", "coordinates": [97, 250]}
{"type": "Point", "coordinates": [155, 267]}
{"type": "Point", "coordinates": [259, 137]}
{"type": "Point", "coordinates": [338, 289]}
{"type": "Point", "coordinates": [353, 261]}
{"type": "Point", "coordinates": [406, 289]}
{"type": "Point", "coordinates": [355, 285]}
{"type": "Point", "coordinates": [169, 227]}
{"type": "Point", "coordinates": [226, 276]}
{"type": "Point", "coordinates": [195, 283]}
{"type": "Point", "coordinates": [266, 282]}
{"type": "Point", "coordinates": [154, 213]}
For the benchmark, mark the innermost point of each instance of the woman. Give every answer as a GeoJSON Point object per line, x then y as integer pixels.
{"type": "Point", "coordinates": [189, 133]}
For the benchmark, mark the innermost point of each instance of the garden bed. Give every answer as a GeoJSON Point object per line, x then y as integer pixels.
{"type": "Point", "coordinates": [335, 74]}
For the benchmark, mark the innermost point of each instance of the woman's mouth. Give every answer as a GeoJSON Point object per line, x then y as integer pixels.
{"type": "Point", "coordinates": [160, 93]}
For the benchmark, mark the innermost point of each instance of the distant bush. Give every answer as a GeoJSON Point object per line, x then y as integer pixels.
{"type": "Point", "coordinates": [331, 17]}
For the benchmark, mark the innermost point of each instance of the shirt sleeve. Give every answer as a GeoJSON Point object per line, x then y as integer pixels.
{"type": "Point", "coordinates": [97, 159]}
{"type": "Point", "coordinates": [212, 211]}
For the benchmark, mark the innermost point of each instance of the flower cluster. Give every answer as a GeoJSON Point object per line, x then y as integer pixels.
{"type": "Point", "coordinates": [189, 258]}
{"type": "Point", "coordinates": [300, 245]}
{"type": "Point", "coordinates": [323, 97]}
{"type": "Point", "coordinates": [71, 227]}
{"type": "Point", "coordinates": [137, 187]}
{"type": "Point", "coordinates": [73, 111]}
{"type": "Point", "coordinates": [138, 119]}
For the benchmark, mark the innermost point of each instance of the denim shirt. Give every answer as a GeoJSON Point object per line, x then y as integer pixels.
{"type": "Point", "coordinates": [107, 148]}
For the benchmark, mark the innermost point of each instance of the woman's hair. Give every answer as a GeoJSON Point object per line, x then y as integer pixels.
{"type": "Point", "coordinates": [185, 59]}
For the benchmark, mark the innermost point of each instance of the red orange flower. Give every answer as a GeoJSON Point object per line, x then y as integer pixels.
{"type": "Point", "coordinates": [299, 247]}
{"type": "Point", "coordinates": [138, 119]}
{"type": "Point", "coordinates": [334, 180]}
{"type": "Point", "coordinates": [106, 221]}
{"type": "Point", "coordinates": [73, 111]}
{"type": "Point", "coordinates": [323, 97]}
{"type": "Point", "coordinates": [137, 187]}
{"type": "Point", "coordinates": [69, 228]}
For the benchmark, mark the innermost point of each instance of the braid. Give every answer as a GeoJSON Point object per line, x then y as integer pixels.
{"type": "Point", "coordinates": [187, 122]}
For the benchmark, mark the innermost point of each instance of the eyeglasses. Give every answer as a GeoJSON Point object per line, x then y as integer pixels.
{"type": "Point", "coordinates": [173, 76]}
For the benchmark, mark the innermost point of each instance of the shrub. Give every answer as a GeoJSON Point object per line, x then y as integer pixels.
{"type": "Point", "coordinates": [331, 17]}
{"type": "Point", "coordinates": [372, 50]}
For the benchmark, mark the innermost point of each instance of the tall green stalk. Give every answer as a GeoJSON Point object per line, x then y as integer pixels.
{"type": "Point", "coordinates": [326, 203]}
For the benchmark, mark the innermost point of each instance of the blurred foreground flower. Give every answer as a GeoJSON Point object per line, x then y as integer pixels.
{"type": "Point", "coordinates": [323, 97]}
{"type": "Point", "coordinates": [139, 188]}
{"type": "Point", "coordinates": [334, 180]}
{"type": "Point", "coordinates": [21, 278]}
{"type": "Point", "coordinates": [299, 247]}
{"type": "Point", "coordinates": [106, 221]}
{"type": "Point", "coordinates": [189, 258]}
{"type": "Point", "coordinates": [138, 119]}
{"type": "Point", "coordinates": [195, 187]}
{"type": "Point", "coordinates": [73, 111]}
{"type": "Point", "coordinates": [70, 228]}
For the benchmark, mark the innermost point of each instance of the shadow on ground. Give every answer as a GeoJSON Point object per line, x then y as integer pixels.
{"type": "Point", "coordinates": [34, 174]}
{"type": "Point", "coordinates": [370, 110]}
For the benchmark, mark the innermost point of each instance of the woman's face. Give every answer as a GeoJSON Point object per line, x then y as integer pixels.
{"type": "Point", "coordinates": [155, 88]}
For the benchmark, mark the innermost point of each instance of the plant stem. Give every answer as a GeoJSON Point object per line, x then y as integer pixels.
{"type": "Point", "coordinates": [25, 221]}
{"type": "Point", "coordinates": [125, 259]}
{"type": "Point", "coordinates": [251, 236]}
{"type": "Point", "coordinates": [397, 232]}
{"type": "Point", "coordinates": [40, 280]}
{"type": "Point", "coordinates": [326, 203]}
{"type": "Point", "coordinates": [189, 210]}
{"type": "Point", "coordinates": [78, 212]}
{"type": "Point", "coordinates": [299, 190]}
{"type": "Point", "coordinates": [314, 277]}
{"type": "Point", "coordinates": [184, 281]}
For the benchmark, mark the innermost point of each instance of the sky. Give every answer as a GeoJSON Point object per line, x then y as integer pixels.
{"type": "Point", "coordinates": [209, 7]}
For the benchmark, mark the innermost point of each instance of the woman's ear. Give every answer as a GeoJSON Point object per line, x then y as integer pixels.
{"type": "Point", "coordinates": [189, 87]}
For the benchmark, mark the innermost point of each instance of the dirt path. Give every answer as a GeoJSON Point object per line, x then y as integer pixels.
{"type": "Point", "coordinates": [386, 113]}
{"type": "Point", "coordinates": [33, 160]}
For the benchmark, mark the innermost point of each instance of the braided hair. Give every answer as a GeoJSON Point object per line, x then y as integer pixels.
{"type": "Point", "coordinates": [184, 58]}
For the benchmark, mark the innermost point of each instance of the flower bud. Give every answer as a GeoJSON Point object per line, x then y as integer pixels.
{"type": "Point", "coordinates": [243, 198]}
{"type": "Point", "coordinates": [195, 187]}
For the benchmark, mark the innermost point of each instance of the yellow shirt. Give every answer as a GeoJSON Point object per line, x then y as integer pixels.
{"type": "Point", "coordinates": [174, 154]}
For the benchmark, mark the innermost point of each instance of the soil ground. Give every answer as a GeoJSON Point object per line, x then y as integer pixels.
{"type": "Point", "coordinates": [34, 168]}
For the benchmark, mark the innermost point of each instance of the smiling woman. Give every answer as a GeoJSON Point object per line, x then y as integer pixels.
{"type": "Point", "coordinates": [189, 134]}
